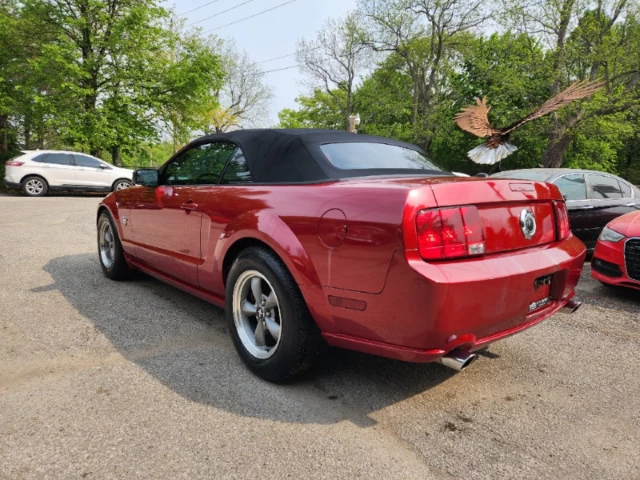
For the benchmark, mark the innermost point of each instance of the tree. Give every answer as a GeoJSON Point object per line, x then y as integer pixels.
{"type": "Point", "coordinates": [594, 39]}
{"type": "Point", "coordinates": [320, 110]}
{"type": "Point", "coordinates": [334, 60]}
{"type": "Point", "coordinates": [189, 74]}
{"type": "Point", "coordinates": [385, 101]}
{"type": "Point", "coordinates": [427, 35]}
{"type": "Point", "coordinates": [123, 63]}
{"type": "Point", "coordinates": [242, 100]}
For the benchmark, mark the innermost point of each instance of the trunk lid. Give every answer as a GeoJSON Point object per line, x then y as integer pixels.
{"type": "Point", "coordinates": [505, 208]}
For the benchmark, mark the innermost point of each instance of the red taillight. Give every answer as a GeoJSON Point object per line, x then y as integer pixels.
{"type": "Point", "coordinates": [449, 233]}
{"type": "Point", "coordinates": [562, 217]}
{"type": "Point", "coordinates": [13, 163]}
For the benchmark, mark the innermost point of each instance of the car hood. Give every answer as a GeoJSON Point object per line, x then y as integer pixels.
{"type": "Point", "coordinates": [628, 225]}
{"type": "Point", "coordinates": [124, 172]}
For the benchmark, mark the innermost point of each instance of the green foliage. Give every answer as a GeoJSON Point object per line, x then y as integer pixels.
{"type": "Point", "coordinates": [515, 72]}
{"type": "Point", "coordinates": [103, 76]}
{"type": "Point", "coordinates": [385, 103]}
{"type": "Point", "coordinates": [320, 110]}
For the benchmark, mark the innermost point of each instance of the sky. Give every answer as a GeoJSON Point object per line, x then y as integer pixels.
{"type": "Point", "coordinates": [266, 36]}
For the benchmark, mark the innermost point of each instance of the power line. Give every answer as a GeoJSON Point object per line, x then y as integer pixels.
{"type": "Point", "coordinates": [220, 13]}
{"type": "Point", "coordinates": [275, 58]}
{"type": "Point", "coordinates": [280, 69]}
{"type": "Point", "coordinates": [251, 16]}
{"type": "Point", "coordinates": [283, 56]}
{"type": "Point", "coordinates": [197, 8]}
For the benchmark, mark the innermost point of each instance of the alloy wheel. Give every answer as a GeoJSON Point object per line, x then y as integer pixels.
{"type": "Point", "coordinates": [106, 243]}
{"type": "Point", "coordinates": [34, 186]}
{"type": "Point", "coordinates": [256, 314]}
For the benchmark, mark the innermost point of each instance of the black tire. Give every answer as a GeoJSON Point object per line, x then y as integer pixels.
{"type": "Point", "coordinates": [121, 181]}
{"type": "Point", "coordinates": [118, 269]}
{"type": "Point", "coordinates": [30, 185]}
{"type": "Point", "coordinates": [300, 341]}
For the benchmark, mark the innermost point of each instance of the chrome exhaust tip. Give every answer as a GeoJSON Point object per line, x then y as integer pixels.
{"type": "Point", "coordinates": [458, 359]}
{"type": "Point", "coordinates": [571, 307]}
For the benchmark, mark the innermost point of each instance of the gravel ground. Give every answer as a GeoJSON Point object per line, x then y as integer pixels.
{"type": "Point", "coordinates": [100, 379]}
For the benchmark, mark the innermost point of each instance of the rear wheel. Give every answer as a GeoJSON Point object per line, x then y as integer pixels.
{"type": "Point", "coordinates": [110, 251]}
{"type": "Point", "coordinates": [35, 186]}
{"type": "Point", "coordinates": [121, 184]}
{"type": "Point", "coordinates": [270, 324]}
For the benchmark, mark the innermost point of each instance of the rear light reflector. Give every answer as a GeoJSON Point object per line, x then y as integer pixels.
{"type": "Point", "coordinates": [449, 233]}
{"type": "Point", "coordinates": [13, 163]}
{"type": "Point", "coordinates": [562, 217]}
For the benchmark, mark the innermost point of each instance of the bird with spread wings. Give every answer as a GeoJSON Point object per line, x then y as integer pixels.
{"type": "Point", "coordinates": [474, 119]}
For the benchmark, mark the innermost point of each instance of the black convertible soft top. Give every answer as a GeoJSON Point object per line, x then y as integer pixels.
{"type": "Point", "coordinates": [294, 155]}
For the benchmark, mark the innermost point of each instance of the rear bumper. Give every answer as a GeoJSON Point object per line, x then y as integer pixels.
{"type": "Point", "coordinates": [612, 253]}
{"type": "Point", "coordinates": [9, 183]}
{"type": "Point", "coordinates": [428, 309]}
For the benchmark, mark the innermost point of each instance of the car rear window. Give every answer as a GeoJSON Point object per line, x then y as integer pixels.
{"type": "Point", "coordinates": [604, 187]}
{"type": "Point", "coordinates": [626, 190]}
{"type": "Point", "coordinates": [369, 155]}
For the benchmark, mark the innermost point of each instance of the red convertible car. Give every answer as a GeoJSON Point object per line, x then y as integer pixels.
{"type": "Point", "coordinates": [616, 260]}
{"type": "Point", "coordinates": [312, 236]}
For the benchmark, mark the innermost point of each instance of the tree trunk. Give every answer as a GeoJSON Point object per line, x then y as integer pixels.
{"type": "Point", "coordinates": [559, 141]}
{"type": "Point", "coordinates": [27, 135]}
{"type": "Point", "coordinates": [115, 155]}
{"type": "Point", "coordinates": [4, 123]}
{"type": "Point", "coordinates": [41, 135]}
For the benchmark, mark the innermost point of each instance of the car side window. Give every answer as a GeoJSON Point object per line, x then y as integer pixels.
{"type": "Point", "coordinates": [54, 159]}
{"type": "Point", "coordinates": [59, 159]}
{"type": "Point", "coordinates": [626, 190]}
{"type": "Point", "coordinates": [237, 171]}
{"type": "Point", "coordinates": [200, 165]}
{"type": "Point", "coordinates": [84, 161]}
{"type": "Point", "coordinates": [42, 158]}
{"type": "Point", "coordinates": [572, 187]}
{"type": "Point", "coordinates": [603, 187]}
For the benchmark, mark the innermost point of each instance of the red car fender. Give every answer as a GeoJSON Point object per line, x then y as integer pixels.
{"type": "Point", "coordinates": [268, 228]}
{"type": "Point", "coordinates": [110, 204]}
{"type": "Point", "coordinates": [265, 226]}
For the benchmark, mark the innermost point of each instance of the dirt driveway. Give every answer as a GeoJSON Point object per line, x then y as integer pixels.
{"type": "Point", "coordinates": [139, 380]}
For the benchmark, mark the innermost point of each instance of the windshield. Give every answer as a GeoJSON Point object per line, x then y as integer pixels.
{"type": "Point", "coordinates": [369, 155]}
{"type": "Point", "coordinates": [534, 176]}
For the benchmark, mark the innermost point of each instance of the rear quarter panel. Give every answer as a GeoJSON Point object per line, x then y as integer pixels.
{"type": "Point", "coordinates": [287, 218]}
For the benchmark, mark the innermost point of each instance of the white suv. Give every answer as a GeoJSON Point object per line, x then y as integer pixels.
{"type": "Point", "coordinates": [38, 171]}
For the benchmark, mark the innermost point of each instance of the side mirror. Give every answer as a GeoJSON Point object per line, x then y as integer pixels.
{"type": "Point", "coordinates": [147, 177]}
{"type": "Point", "coordinates": [104, 167]}
{"type": "Point", "coordinates": [482, 175]}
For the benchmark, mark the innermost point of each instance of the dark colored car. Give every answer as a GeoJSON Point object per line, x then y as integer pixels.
{"type": "Point", "coordinates": [306, 236]}
{"type": "Point", "coordinates": [593, 198]}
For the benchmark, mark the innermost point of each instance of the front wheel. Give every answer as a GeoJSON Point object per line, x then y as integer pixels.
{"type": "Point", "coordinates": [270, 324]}
{"type": "Point", "coordinates": [121, 184]}
{"type": "Point", "coordinates": [110, 251]}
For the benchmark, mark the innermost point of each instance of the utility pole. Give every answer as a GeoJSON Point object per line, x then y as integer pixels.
{"type": "Point", "coordinates": [354, 121]}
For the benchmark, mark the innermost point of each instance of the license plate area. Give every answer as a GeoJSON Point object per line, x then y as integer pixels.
{"type": "Point", "coordinates": [541, 295]}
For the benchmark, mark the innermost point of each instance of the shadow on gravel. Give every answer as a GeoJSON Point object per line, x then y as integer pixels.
{"type": "Point", "coordinates": [54, 193]}
{"type": "Point", "coordinates": [183, 343]}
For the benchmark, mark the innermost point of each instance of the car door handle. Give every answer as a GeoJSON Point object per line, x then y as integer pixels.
{"type": "Point", "coordinates": [189, 206]}
{"type": "Point", "coordinates": [630, 204]}
{"type": "Point", "coordinates": [588, 207]}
